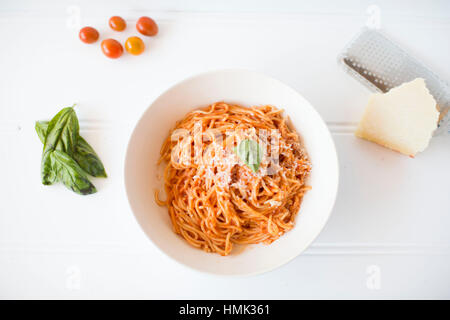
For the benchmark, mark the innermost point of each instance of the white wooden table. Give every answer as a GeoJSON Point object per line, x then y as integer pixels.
{"type": "Point", "coordinates": [388, 236]}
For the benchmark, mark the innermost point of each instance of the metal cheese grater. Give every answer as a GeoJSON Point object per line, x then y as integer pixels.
{"type": "Point", "coordinates": [381, 65]}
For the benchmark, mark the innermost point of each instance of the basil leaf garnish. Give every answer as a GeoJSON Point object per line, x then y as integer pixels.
{"type": "Point", "coordinates": [84, 154]}
{"type": "Point", "coordinates": [62, 135]}
{"type": "Point", "coordinates": [41, 129]}
{"type": "Point", "coordinates": [67, 157]}
{"type": "Point", "coordinates": [63, 131]}
{"type": "Point", "coordinates": [88, 160]}
{"type": "Point", "coordinates": [250, 152]}
{"type": "Point", "coordinates": [70, 173]}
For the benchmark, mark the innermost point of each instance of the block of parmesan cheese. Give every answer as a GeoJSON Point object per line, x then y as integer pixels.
{"type": "Point", "coordinates": [402, 119]}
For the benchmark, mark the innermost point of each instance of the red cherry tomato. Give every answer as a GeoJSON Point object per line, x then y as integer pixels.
{"type": "Point", "coordinates": [112, 48]}
{"type": "Point", "coordinates": [117, 23]}
{"type": "Point", "coordinates": [88, 35]}
{"type": "Point", "coordinates": [147, 26]}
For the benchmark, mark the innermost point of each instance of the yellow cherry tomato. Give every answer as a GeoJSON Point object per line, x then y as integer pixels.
{"type": "Point", "coordinates": [135, 45]}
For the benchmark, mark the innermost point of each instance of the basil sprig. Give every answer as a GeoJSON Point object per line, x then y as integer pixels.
{"type": "Point", "coordinates": [84, 154]}
{"type": "Point", "coordinates": [67, 157]}
{"type": "Point", "coordinates": [70, 173]}
{"type": "Point", "coordinates": [250, 152]}
{"type": "Point", "coordinates": [62, 135]}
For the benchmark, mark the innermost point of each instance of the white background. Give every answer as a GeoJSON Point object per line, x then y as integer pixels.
{"type": "Point", "coordinates": [388, 236]}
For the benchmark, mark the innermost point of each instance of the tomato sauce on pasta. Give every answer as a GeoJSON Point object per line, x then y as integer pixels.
{"type": "Point", "coordinates": [214, 199]}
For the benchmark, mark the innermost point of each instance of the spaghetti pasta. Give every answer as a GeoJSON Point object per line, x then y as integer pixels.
{"type": "Point", "coordinates": [214, 199]}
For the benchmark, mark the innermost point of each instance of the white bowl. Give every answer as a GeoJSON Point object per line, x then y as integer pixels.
{"type": "Point", "coordinates": [248, 89]}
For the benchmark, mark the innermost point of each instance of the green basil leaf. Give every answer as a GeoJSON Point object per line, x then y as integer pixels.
{"type": "Point", "coordinates": [62, 135]}
{"type": "Point", "coordinates": [88, 159]}
{"type": "Point", "coordinates": [63, 131]}
{"type": "Point", "coordinates": [41, 129]}
{"type": "Point", "coordinates": [250, 152]}
{"type": "Point", "coordinates": [70, 173]}
{"type": "Point", "coordinates": [84, 154]}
